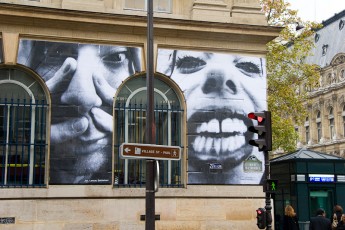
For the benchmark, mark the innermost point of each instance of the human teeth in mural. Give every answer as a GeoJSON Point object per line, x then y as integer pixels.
{"type": "Point", "coordinates": [226, 125]}
{"type": "Point", "coordinates": [203, 143]}
{"type": "Point", "coordinates": [219, 89]}
{"type": "Point", "coordinates": [233, 125]}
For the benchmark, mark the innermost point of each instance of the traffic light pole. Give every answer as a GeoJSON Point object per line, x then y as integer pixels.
{"type": "Point", "coordinates": [264, 143]}
{"type": "Point", "coordinates": [268, 206]}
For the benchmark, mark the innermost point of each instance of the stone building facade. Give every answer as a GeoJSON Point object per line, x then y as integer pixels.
{"type": "Point", "coordinates": [72, 91]}
{"type": "Point", "coordinates": [324, 127]}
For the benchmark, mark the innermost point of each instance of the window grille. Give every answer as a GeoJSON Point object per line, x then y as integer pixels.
{"type": "Point", "coordinates": [318, 125]}
{"type": "Point", "coordinates": [23, 142]}
{"type": "Point", "coordinates": [331, 124]}
{"type": "Point", "coordinates": [307, 134]}
{"type": "Point", "coordinates": [130, 127]}
{"type": "Point", "coordinates": [131, 120]}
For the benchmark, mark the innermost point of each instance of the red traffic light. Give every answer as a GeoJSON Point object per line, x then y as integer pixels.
{"type": "Point", "coordinates": [261, 218]}
{"type": "Point", "coordinates": [256, 116]}
{"type": "Point", "coordinates": [263, 129]}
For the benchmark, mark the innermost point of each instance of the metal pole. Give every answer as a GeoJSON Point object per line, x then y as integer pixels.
{"type": "Point", "coordinates": [150, 123]}
{"type": "Point", "coordinates": [268, 206]}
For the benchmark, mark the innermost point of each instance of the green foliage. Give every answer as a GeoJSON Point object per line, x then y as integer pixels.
{"type": "Point", "coordinates": [287, 71]}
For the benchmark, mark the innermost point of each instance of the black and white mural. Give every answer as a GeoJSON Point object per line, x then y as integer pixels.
{"type": "Point", "coordinates": [82, 79]}
{"type": "Point", "coordinates": [220, 90]}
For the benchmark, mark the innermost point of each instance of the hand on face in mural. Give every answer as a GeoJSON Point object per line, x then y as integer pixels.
{"type": "Point", "coordinates": [82, 80]}
{"type": "Point", "coordinates": [220, 90]}
{"type": "Point", "coordinates": [84, 89]}
{"type": "Point", "coordinates": [71, 128]}
{"type": "Point", "coordinates": [75, 127]}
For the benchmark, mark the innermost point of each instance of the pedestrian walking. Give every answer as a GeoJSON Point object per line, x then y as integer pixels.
{"type": "Point", "coordinates": [290, 219]}
{"type": "Point", "coordinates": [320, 222]}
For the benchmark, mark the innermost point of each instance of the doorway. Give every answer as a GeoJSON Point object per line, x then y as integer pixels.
{"type": "Point", "coordinates": [321, 198]}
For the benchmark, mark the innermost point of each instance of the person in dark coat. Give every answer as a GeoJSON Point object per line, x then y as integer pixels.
{"type": "Point", "coordinates": [341, 223]}
{"type": "Point", "coordinates": [320, 222]}
{"type": "Point", "coordinates": [337, 216]}
{"type": "Point", "coordinates": [290, 219]}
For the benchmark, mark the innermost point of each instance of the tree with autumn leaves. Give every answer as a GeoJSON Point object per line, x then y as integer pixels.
{"type": "Point", "coordinates": [287, 71]}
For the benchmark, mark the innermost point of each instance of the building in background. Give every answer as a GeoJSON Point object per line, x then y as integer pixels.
{"type": "Point", "coordinates": [324, 127]}
{"type": "Point", "coordinates": [73, 89]}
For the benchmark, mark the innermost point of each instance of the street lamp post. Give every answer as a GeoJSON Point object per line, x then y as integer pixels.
{"type": "Point", "coordinates": [150, 123]}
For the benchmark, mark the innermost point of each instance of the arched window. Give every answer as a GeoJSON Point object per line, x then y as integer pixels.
{"type": "Point", "coordinates": [307, 131]}
{"type": "Point", "coordinates": [23, 119]}
{"type": "Point", "coordinates": [130, 123]}
{"type": "Point", "coordinates": [331, 124]}
{"type": "Point", "coordinates": [319, 126]}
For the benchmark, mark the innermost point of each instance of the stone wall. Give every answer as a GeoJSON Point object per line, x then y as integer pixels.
{"type": "Point", "coordinates": [104, 207]}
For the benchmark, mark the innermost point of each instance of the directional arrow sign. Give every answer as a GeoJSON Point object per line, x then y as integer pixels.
{"type": "Point", "coordinates": [148, 151]}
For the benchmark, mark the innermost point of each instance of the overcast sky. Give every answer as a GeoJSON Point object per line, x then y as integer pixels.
{"type": "Point", "coordinates": [317, 10]}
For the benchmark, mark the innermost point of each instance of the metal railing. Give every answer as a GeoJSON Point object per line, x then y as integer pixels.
{"type": "Point", "coordinates": [129, 127]}
{"type": "Point", "coordinates": [22, 142]}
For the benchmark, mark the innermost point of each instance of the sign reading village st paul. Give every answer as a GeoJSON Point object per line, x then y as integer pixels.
{"type": "Point", "coordinates": [148, 151]}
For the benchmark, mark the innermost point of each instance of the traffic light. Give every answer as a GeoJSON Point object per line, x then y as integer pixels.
{"type": "Point", "coordinates": [261, 218]}
{"type": "Point", "coordinates": [271, 186]}
{"type": "Point", "coordinates": [263, 129]}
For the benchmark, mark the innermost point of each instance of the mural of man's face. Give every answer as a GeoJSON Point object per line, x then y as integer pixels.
{"type": "Point", "coordinates": [82, 80]}
{"type": "Point", "coordinates": [94, 76]}
{"type": "Point", "coordinates": [220, 90]}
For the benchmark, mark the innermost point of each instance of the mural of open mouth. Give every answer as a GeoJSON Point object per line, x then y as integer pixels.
{"type": "Point", "coordinates": [218, 133]}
